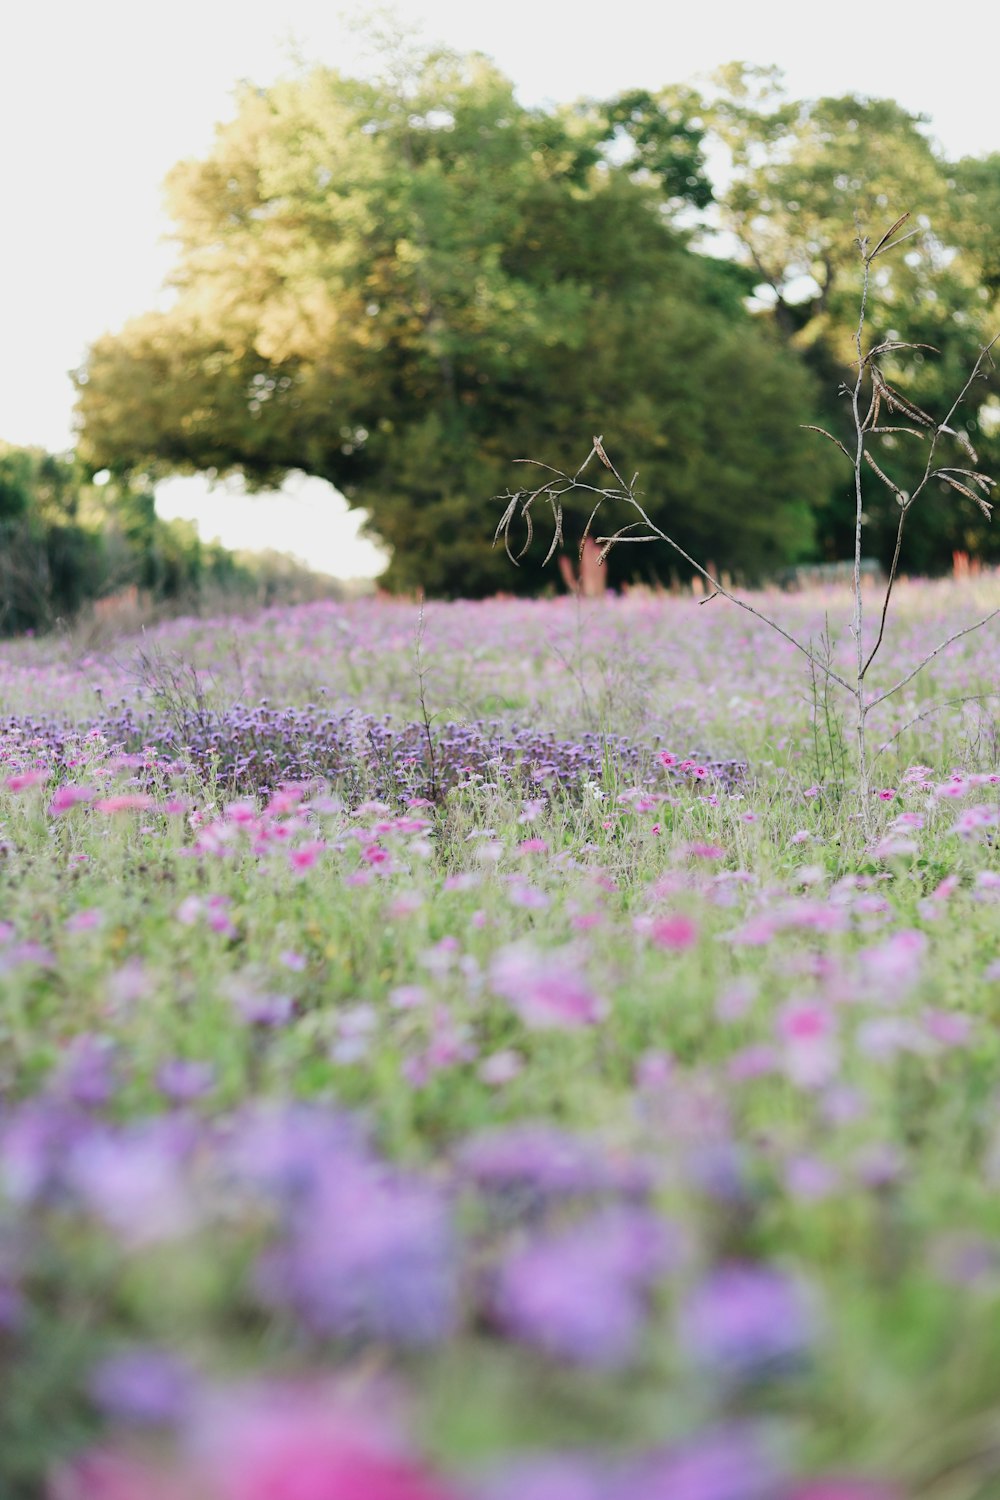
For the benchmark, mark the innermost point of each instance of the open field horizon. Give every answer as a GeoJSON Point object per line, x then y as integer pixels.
{"type": "Point", "coordinates": [483, 1051]}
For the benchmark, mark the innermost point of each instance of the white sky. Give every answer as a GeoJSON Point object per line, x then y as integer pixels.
{"type": "Point", "coordinates": [99, 98]}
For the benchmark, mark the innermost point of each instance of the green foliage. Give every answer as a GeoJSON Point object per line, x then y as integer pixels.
{"type": "Point", "coordinates": [66, 541]}
{"type": "Point", "coordinates": [402, 286]}
{"type": "Point", "coordinates": [801, 174]}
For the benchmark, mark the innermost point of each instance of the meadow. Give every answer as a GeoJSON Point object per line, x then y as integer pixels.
{"type": "Point", "coordinates": [473, 1052]}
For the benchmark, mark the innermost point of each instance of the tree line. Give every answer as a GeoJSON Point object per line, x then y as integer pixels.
{"type": "Point", "coordinates": [66, 542]}
{"type": "Point", "coordinates": [402, 284]}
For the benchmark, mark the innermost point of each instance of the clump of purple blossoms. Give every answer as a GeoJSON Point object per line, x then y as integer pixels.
{"type": "Point", "coordinates": [255, 748]}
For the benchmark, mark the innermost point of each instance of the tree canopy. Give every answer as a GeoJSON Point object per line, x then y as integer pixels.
{"type": "Point", "coordinates": [402, 285]}
{"type": "Point", "coordinates": [803, 178]}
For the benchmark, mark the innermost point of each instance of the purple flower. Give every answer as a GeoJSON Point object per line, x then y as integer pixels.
{"type": "Point", "coordinates": [728, 1464]}
{"type": "Point", "coordinates": [551, 1477]}
{"type": "Point", "coordinates": [577, 1294]}
{"type": "Point", "coordinates": [87, 1072]}
{"type": "Point", "coordinates": [747, 1320]}
{"type": "Point", "coordinates": [547, 1161]}
{"type": "Point", "coordinates": [12, 1308]}
{"type": "Point", "coordinates": [369, 1254]}
{"type": "Point", "coordinates": [133, 1179]}
{"type": "Point", "coordinates": [283, 1150]}
{"type": "Point", "coordinates": [34, 1145]}
{"type": "Point", "coordinates": [145, 1386]}
{"type": "Point", "coordinates": [181, 1079]}
{"type": "Point", "coordinates": [264, 1010]}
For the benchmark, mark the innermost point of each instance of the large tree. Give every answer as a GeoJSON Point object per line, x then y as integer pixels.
{"type": "Point", "coordinates": [403, 285]}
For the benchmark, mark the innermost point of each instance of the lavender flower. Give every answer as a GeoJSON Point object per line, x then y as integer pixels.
{"type": "Point", "coordinates": [577, 1293]}
{"type": "Point", "coordinates": [746, 1320]}
{"type": "Point", "coordinates": [144, 1386]}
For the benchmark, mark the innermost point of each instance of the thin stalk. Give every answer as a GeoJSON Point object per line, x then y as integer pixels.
{"type": "Point", "coordinates": [561, 484]}
{"type": "Point", "coordinates": [859, 454]}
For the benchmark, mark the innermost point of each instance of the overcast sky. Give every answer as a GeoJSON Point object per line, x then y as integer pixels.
{"type": "Point", "coordinates": [99, 98]}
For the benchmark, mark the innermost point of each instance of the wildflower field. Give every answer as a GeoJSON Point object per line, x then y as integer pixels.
{"type": "Point", "coordinates": [477, 1054]}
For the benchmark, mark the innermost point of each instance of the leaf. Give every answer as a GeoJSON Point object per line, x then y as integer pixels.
{"type": "Point", "coordinates": [962, 439]}
{"type": "Point", "coordinates": [557, 531]}
{"type": "Point", "coordinates": [599, 450]}
{"type": "Point", "coordinates": [889, 234]}
{"type": "Point", "coordinates": [963, 489]}
{"type": "Point", "coordinates": [900, 495]}
{"type": "Point", "coordinates": [896, 401]}
{"type": "Point", "coordinates": [811, 427]}
{"type": "Point", "coordinates": [984, 481]}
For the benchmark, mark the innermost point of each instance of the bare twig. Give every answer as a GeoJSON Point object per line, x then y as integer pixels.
{"type": "Point", "coordinates": [967, 481]}
{"type": "Point", "coordinates": [929, 473]}
{"type": "Point", "coordinates": [873, 702]}
{"type": "Point", "coordinates": [928, 713]}
{"type": "Point", "coordinates": [626, 494]}
{"type": "Point", "coordinates": [420, 670]}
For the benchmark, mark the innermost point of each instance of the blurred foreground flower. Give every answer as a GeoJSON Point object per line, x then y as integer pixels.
{"type": "Point", "coordinates": [546, 988]}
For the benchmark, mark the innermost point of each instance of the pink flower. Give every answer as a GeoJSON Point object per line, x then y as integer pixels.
{"type": "Point", "coordinates": [752, 1062]}
{"type": "Point", "coordinates": [547, 990]}
{"type": "Point", "coordinates": [804, 1020]}
{"type": "Point", "coordinates": [705, 851]}
{"type": "Point", "coordinates": [407, 996]}
{"type": "Point", "coordinates": [973, 820]}
{"type": "Point", "coordinates": [287, 1446]}
{"type": "Point", "coordinates": [528, 896]}
{"type": "Point", "coordinates": [735, 1000]}
{"type": "Point", "coordinates": [583, 921]}
{"type": "Point", "coordinates": [305, 856]}
{"type": "Point", "coordinates": [500, 1067]}
{"type": "Point", "coordinates": [945, 888]}
{"type": "Point", "coordinates": [190, 910]}
{"type": "Point", "coordinates": [653, 1069]}
{"type": "Point", "coordinates": [532, 808]}
{"type": "Point", "coordinates": [285, 800]}
{"type": "Point", "coordinates": [886, 794]}
{"type": "Point", "coordinates": [949, 1027]}
{"type": "Point", "coordinates": [125, 802]}
{"type": "Point", "coordinates": [85, 920]}
{"type": "Point", "coordinates": [676, 933]}
{"type": "Point", "coordinates": [65, 797]}
{"type": "Point", "coordinates": [894, 966]}
{"type": "Point", "coordinates": [810, 1056]}
{"type": "Point", "coordinates": [666, 759]}
{"type": "Point", "coordinates": [22, 780]}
